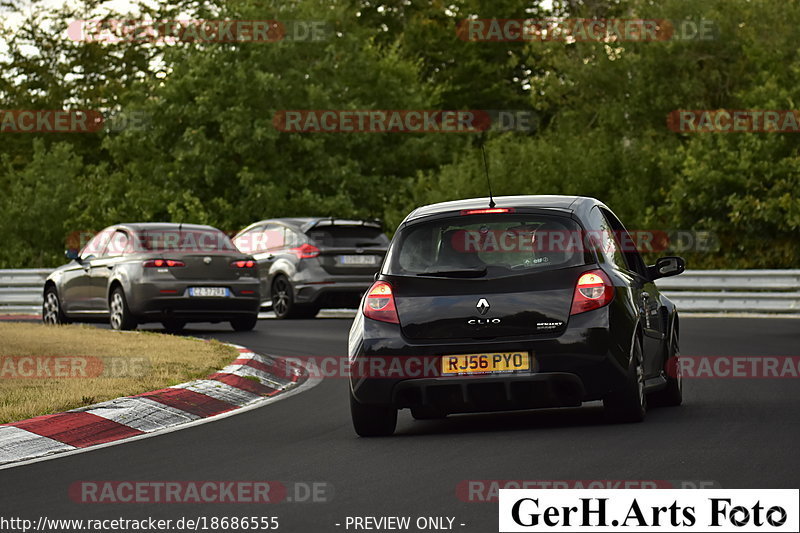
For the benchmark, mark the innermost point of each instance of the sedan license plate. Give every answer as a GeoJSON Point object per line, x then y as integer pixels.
{"type": "Point", "coordinates": [358, 260]}
{"type": "Point", "coordinates": [486, 363]}
{"type": "Point", "coordinates": [214, 292]}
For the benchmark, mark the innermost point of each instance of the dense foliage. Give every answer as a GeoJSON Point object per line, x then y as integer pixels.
{"type": "Point", "coordinates": [208, 151]}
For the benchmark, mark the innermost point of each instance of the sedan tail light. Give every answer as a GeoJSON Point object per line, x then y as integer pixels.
{"type": "Point", "coordinates": [161, 263]}
{"type": "Point", "coordinates": [247, 263]}
{"type": "Point", "coordinates": [305, 251]}
{"type": "Point", "coordinates": [593, 290]}
{"type": "Point", "coordinates": [379, 303]}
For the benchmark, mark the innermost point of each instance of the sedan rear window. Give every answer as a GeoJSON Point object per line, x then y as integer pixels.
{"type": "Point", "coordinates": [348, 236]}
{"type": "Point", "coordinates": [185, 241]}
{"type": "Point", "coordinates": [487, 246]}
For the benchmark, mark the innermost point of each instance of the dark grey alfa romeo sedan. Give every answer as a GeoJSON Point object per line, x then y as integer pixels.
{"type": "Point", "coordinates": [131, 274]}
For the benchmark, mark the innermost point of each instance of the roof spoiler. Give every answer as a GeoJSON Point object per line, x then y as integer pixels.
{"type": "Point", "coordinates": [331, 221]}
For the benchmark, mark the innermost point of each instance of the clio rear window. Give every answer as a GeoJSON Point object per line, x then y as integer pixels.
{"type": "Point", "coordinates": [500, 244]}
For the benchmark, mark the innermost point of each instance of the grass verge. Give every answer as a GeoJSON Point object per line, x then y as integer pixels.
{"type": "Point", "coordinates": [47, 369]}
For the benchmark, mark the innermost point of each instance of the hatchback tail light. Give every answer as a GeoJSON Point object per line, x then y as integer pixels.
{"type": "Point", "coordinates": [379, 303]}
{"type": "Point", "coordinates": [248, 263]}
{"type": "Point", "coordinates": [305, 251]}
{"type": "Point", "coordinates": [593, 290]}
{"type": "Point", "coordinates": [161, 263]}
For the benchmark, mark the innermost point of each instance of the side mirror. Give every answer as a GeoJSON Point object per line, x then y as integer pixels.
{"type": "Point", "coordinates": [72, 254]}
{"type": "Point", "coordinates": [667, 266]}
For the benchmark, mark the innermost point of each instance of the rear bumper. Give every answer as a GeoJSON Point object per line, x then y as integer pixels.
{"type": "Point", "coordinates": [332, 293]}
{"type": "Point", "coordinates": [584, 363]}
{"type": "Point", "coordinates": [148, 303]}
{"type": "Point", "coordinates": [490, 393]}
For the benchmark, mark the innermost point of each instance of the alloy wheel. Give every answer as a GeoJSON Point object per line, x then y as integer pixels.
{"type": "Point", "coordinates": [51, 309]}
{"type": "Point", "coordinates": [280, 297]}
{"type": "Point", "coordinates": [640, 383]}
{"type": "Point", "coordinates": [676, 352]}
{"type": "Point", "coordinates": [117, 310]}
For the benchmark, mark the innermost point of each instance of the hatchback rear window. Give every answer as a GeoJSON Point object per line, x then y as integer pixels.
{"type": "Point", "coordinates": [348, 236]}
{"type": "Point", "coordinates": [487, 246]}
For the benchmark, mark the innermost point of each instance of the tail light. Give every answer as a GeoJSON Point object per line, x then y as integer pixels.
{"type": "Point", "coordinates": [161, 263]}
{"type": "Point", "coordinates": [248, 263]}
{"type": "Point", "coordinates": [593, 290]}
{"type": "Point", "coordinates": [306, 251]}
{"type": "Point", "coordinates": [379, 303]}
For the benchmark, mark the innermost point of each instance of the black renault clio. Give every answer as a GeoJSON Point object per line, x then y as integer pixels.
{"type": "Point", "coordinates": [519, 302]}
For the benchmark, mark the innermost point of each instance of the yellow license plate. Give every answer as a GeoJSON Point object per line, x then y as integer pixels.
{"type": "Point", "coordinates": [486, 363]}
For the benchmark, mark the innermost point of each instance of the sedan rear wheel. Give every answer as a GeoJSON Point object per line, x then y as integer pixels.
{"type": "Point", "coordinates": [244, 323]}
{"type": "Point", "coordinates": [52, 314]}
{"type": "Point", "coordinates": [120, 316]}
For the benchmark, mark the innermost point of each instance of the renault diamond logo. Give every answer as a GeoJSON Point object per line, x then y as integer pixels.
{"type": "Point", "coordinates": [207, 260]}
{"type": "Point", "coordinates": [483, 306]}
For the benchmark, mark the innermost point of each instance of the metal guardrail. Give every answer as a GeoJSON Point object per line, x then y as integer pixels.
{"type": "Point", "coordinates": [21, 290]}
{"type": "Point", "coordinates": [735, 291]}
{"type": "Point", "coordinates": [712, 291]}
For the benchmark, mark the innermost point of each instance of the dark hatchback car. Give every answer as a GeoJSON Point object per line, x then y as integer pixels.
{"type": "Point", "coordinates": [130, 274]}
{"type": "Point", "coordinates": [306, 264]}
{"type": "Point", "coordinates": [538, 301]}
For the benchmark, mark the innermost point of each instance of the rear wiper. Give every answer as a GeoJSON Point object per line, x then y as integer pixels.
{"type": "Point", "coordinates": [473, 273]}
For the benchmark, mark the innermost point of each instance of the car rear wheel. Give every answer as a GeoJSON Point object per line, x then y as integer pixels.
{"type": "Point", "coordinates": [672, 394]}
{"type": "Point", "coordinates": [629, 403]}
{"type": "Point", "coordinates": [52, 313]}
{"type": "Point", "coordinates": [283, 304]}
{"type": "Point", "coordinates": [282, 298]}
{"type": "Point", "coordinates": [174, 326]}
{"type": "Point", "coordinates": [120, 317]}
{"type": "Point", "coordinates": [245, 323]}
{"type": "Point", "coordinates": [372, 420]}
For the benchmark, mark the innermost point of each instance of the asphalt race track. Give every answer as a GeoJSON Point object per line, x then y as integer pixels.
{"type": "Point", "coordinates": [738, 433]}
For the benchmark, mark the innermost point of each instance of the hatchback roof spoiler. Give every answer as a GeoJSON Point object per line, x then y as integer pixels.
{"type": "Point", "coordinates": [332, 221]}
